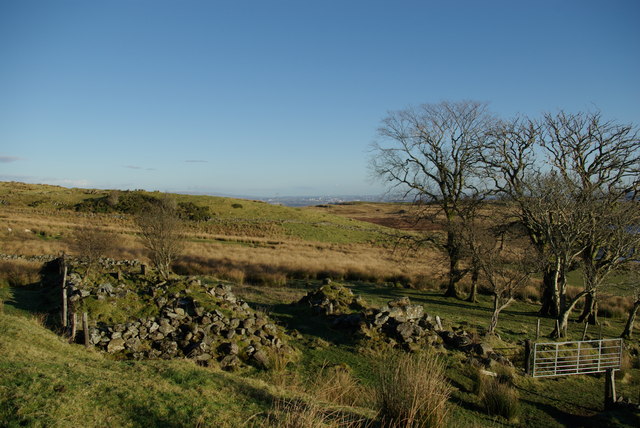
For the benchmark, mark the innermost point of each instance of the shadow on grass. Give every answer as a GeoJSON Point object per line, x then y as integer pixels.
{"type": "Point", "coordinates": [35, 299]}
{"type": "Point", "coordinates": [560, 416]}
{"type": "Point", "coordinates": [300, 317]}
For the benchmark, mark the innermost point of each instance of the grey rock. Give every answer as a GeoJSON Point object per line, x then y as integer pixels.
{"type": "Point", "coordinates": [261, 359]}
{"type": "Point", "coordinates": [115, 345]}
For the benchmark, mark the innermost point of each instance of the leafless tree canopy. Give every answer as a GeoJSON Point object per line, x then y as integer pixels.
{"type": "Point", "coordinates": [91, 244]}
{"type": "Point", "coordinates": [574, 200]}
{"type": "Point", "coordinates": [162, 235]}
{"type": "Point", "coordinates": [572, 182]}
{"type": "Point", "coordinates": [433, 153]}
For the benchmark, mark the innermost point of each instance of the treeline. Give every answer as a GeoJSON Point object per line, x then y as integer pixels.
{"type": "Point", "coordinates": [571, 183]}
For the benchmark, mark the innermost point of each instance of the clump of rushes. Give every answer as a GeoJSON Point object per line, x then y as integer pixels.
{"type": "Point", "coordinates": [497, 395]}
{"type": "Point", "coordinates": [413, 390]}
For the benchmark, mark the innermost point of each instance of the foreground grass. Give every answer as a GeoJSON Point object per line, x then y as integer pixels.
{"type": "Point", "coordinates": [47, 382]}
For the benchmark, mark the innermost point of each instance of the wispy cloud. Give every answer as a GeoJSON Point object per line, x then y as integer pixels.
{"type": "Point", "coordinates": [139, 168]}
{"type": "Point", "coordinates": [8, 159]}
{"type": "Point", "coordinates": [196, 161]}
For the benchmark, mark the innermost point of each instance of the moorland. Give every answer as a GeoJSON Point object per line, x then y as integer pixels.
{"type": "Point", "coordinates": [320, 371]}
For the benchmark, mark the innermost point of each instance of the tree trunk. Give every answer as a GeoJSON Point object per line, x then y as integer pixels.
{"type": "Point", "coordinates": [497, 308]}
{"type": "Point", "coordinates": [590, 311]}
{"type": "Point", "coordinates": [474, 287]}
{"type": "Point", "coordinates": [628, 328]}
{"type": "Point", "coordinates": [549, 286]}
{"type": "Point", "coordinates": [453, 250]}
{"type": "Point", "coordinates": [563, 318]}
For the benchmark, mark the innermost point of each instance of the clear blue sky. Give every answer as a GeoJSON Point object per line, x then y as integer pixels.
{"type": "Point", "coordinates": [282, 98]}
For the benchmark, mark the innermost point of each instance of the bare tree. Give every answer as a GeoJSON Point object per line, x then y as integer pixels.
{"type": "Point", "coordinates": [633, 284]}
{"type": "Point", "coordinates": [432, 153]}
{"type": "Point", "coordinates": [161, 231]}
{"type": "Point", "coordinates": [591, 166]}
{"type": "Point", "coordinates": [599, 161]}
{"type": "Point", "coordinates": [92, 243]}
{"type": "Point", "coordinates": [506, 267]}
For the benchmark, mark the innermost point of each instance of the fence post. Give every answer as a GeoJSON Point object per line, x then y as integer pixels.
{"type": "Point", "coordinates": [74, 327]}
{"type": "Point", "coordinates": [527, 356]}
{"type": "Point", "coordinates": [85, 329]}
{"type": "Point", "coordinates": [609, 389]}
{"type": "Point", "coordinates": [584, 332]}
{"type": "Point", "coordinates": [143, 269]}
{"type": "Point", "coordinates": [538, 329]}
{"type": "Point", "coordinates": [65, 308]}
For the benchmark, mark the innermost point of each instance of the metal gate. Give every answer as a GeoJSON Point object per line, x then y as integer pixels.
{"type": "Point", "coordinates": [579, 357]}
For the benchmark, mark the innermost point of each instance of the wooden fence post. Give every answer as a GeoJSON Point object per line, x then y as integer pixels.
{"type": "Point", "coordinates": [538, 329]}
{"type": "Point", "coordinates": [527, 356]}
{"type": "Point", "coordinates": [65, 307]}
{"type": "Point", "coordinates": [85, 329]}
{"type": "Point", "coordinates": [609, 389]}
{"type": "Point", "coordinates": [584, 332]}
{"type": "Point", "coordinates": [143, 269]}
{"type": "Point", "coordinates": [74, 327]}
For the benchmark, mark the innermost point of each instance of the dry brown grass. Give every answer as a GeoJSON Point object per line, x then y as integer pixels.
{"type": "Point", "coordinates": [300, 414]}
{"type": "Point", "coordinates": [19, 272]}
{"type": "Point", "coordinates": [275, 264]}
{"type": "Point", "coordinates": [336, 384]}
{"type": "Point", "coordinates": [413, 390]}
{"type": "Point", "coordinates": [236, 257]}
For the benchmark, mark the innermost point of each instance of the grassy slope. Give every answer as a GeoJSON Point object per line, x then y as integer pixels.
{"type": "Point", "coordinates": [46, 382]}
{"type": "Point", "coordinates": [295, 222]}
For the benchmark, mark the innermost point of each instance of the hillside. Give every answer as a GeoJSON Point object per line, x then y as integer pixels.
{"type": "Point", "coordinates": [318, 290]}
{"type": "Point", "coordinates": [239, 239]}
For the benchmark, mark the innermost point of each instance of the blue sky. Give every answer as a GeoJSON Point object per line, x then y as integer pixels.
{"type": "Point", "coordinates": [271, 98]}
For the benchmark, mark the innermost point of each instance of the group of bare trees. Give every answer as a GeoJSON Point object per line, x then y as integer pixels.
{"type": "Point", "coordinates": [569, 183]}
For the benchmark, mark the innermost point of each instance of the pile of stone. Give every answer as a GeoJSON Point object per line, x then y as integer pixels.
{"type": "Point", "coordinates": [77, 291]}
{"type": "Point", "coordinates": [333, 299]}
{"type": "Point", "coordinates": [224, 330]}
{"type": "Point", "coordinates": [398, 324]}
{"type": "Point", "coordinates": [403, 324]}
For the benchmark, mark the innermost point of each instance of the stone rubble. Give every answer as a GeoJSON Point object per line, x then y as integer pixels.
{"type": "Point", "coordinates": [223, 331]}
{"type": "Point", "coordinates": [398, 324]}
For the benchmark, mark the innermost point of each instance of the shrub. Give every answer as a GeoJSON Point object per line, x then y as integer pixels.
{"type": "Point", "coordinates": [412, 390]}
{"type": "Point", "coordinates": [193, 212]}
{"type": "Point", "coordinates": [236, 205]}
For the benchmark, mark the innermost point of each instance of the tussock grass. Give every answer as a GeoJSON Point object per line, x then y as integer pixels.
{"type": "Point", "coordinates": [497, 395]}
{"type": "Point", "coordinates": [300, 414]}
{"type": "Point", "coordinates": [413, 390]}
{"type": "Point", "coordinates": [19, 272]}
{"type": "Point", "coordinates": [337, 385]}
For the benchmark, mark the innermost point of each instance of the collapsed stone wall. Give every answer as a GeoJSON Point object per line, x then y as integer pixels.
{"type": "Point", "coordinates": [398, 324]}
{"type": "Point", "coordinates": [218, 328]}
